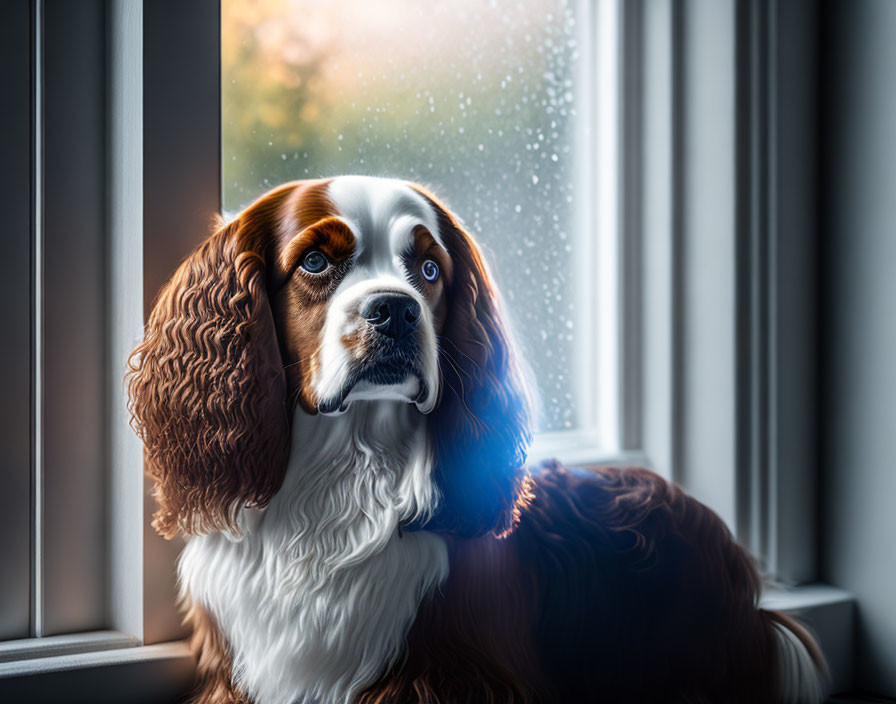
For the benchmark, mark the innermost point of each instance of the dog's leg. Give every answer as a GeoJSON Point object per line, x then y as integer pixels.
{"type": "Point", "coordinates": [214, 666]}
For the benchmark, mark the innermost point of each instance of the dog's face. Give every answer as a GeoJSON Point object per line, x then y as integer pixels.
{"type": "Point", "coordinates": [320, 295]}
{"type": "Point", "coordinates": [361, 294]}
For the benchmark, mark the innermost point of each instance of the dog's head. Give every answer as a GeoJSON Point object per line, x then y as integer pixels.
{"type": "Point", "coordinates": [320, 295]}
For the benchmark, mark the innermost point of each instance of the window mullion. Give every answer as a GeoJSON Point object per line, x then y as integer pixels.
{"type": "Point", "coordinates": [658, 193]}
{"type": "Point", "coordinates": [606, 303]}
{"type": "Point", "coordinates": [124, 277]}
{"type": "Point", "coordinates": [37, 325]}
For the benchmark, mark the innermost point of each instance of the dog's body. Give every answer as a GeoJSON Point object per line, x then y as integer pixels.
{"type": "Point", "coordinates": [333, 409]}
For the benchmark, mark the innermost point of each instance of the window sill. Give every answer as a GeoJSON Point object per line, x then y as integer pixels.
{"type": "Point", "coordinates": [15, 651]}
{"type": "Point", "coordinates": [161, 673]}
{"type": "Point", "coordinates": [575, 447]}
{"type": "Point", "coordinates": [151, 674]}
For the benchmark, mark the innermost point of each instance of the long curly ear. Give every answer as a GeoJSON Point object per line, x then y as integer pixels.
{"type": "Point", "coordinates": [207, 390]}
{"type": "Point", "coordinates": [481, 429]}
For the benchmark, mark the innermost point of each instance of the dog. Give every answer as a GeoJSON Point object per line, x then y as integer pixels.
{"type": "Point", "coordinates": [335, 414]}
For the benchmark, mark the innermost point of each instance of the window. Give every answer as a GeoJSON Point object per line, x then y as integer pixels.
{"type": "Point", "coordinates": [662, 299]}
{"type": "Point", "coordinates": [486, 103]}
{"type": "Point", "coordinates": [72, 562]}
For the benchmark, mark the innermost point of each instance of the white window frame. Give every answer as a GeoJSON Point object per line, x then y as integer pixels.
{"type": "Point", "coordinates": [122, 582]}
{"type": "Point", "coordinates": [680, 134]}
{"type": "Point", "coordinates": [100, 665]}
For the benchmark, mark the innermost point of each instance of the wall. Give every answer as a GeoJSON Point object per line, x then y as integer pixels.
{"type": "Point", "coordinates": [858, 340]}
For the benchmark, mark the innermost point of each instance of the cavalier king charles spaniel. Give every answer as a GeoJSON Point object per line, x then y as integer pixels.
{"type": "Point", "coordinates": [335, 414]}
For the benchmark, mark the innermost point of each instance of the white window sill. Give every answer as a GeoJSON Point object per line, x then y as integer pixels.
{"type": "Point", "coordinates": [150, 674]}
{"type": "Point", "coordinates": [14, 651]}
{"type": "Point", "coordinates": [577, 447]}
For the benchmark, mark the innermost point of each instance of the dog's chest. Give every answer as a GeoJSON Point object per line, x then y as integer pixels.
{"type": "Point", "coordinates": [317, 597]}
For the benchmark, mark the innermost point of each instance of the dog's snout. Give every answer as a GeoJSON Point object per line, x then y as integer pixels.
{"type": "Point", "coordinates": [394, 315]}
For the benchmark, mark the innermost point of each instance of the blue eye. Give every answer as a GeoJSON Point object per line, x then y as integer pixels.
{"type": "Point", "coordinates": [314, 262]}
{"type": "Point", "coordinates": [430, 270]}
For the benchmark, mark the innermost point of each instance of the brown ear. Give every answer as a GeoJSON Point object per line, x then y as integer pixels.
{"type": "Point", "coordinates": [481, 429]}
{"type": "Point", "coordinates": [207, 390]}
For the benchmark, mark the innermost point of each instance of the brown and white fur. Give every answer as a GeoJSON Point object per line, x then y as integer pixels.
{"type": "Point", "coordinates": [346, 448]}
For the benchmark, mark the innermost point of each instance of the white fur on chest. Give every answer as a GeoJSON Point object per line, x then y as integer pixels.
{"type": "Point", "coordinates": [317, 595]}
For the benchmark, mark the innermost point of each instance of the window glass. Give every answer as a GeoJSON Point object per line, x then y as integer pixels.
{"type": "Point", "coordinates": [475, 99]}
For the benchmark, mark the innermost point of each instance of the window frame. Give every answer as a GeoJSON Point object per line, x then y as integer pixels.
{"type": "Point", "coordinates": [133, 103]}
{"type": "Point", "coordinates": [721, 209]}
{"type": "Point", "coordinates": [660, 130]}
{"type": "Point", "coordinates": [61, 138]}
{"type": "Point", "coordinates": [64, 286]}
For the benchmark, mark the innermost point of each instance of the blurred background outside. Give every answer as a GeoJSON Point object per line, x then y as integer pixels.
{"type": "Point", "coordinates": [475, 100]}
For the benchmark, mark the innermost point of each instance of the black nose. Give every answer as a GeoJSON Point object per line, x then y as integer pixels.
{"type": "Point", "coordinates": [391, 314]}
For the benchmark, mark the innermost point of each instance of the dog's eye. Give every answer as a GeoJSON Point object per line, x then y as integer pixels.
{"type": "Point", "coordinates": [314, 262]}
{"type": "Point", "coordinates": [430, 270]}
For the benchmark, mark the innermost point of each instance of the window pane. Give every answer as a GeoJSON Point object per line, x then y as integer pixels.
{"type": "Point", "coordinates": [474, 99]}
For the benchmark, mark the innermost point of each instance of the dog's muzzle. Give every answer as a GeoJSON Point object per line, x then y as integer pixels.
{"type": "Point", "coordinates": [391, 366]}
